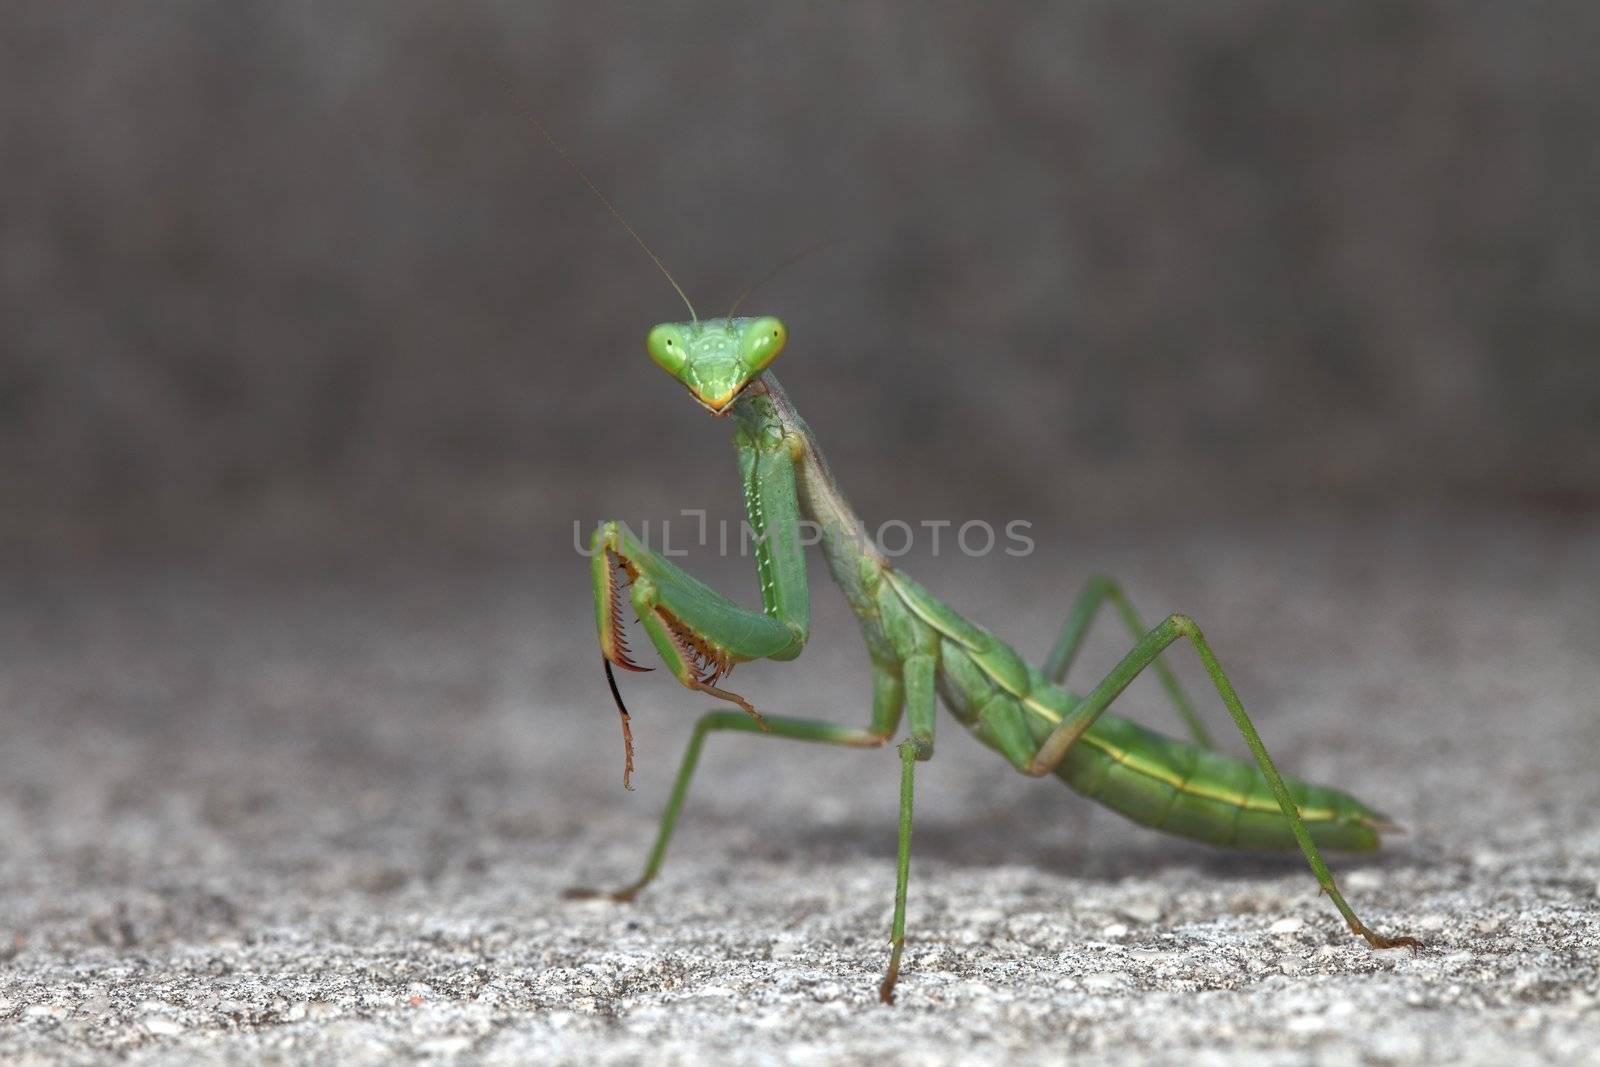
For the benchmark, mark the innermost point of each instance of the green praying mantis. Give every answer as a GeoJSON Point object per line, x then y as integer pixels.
{"type": "Point", "coordinates": [922, 651]}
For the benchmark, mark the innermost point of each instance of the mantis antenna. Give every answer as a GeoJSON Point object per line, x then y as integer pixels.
{"type": "Point", "coordinates": [815, 246]}
{"type": "Point", "coordinates": [617, 215]}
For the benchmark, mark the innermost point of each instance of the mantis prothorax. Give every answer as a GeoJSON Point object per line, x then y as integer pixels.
{"type": "Point", "coordinates": [923, 651]}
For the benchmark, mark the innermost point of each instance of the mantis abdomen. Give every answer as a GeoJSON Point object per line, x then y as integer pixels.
{"type": "Point", "coordinates": [1203, 795]}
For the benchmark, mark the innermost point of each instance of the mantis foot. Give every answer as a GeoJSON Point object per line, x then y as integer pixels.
{"type": "Point", "coordinates": [891, 976]}
{"type": "Point", "coordinates": [621, 896]}
{"type": "Point", "coordinates": [1377, 940]}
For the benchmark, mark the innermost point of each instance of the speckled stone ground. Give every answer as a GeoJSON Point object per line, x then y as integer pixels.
{"type": "Point", "coordinates": [284, 813]}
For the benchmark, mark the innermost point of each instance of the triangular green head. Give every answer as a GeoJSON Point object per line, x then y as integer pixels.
{"type": "Point", "coordinates": [716, 358]}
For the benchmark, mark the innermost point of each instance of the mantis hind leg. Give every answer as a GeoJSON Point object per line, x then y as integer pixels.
{"type": "Point", "coordinates": [1096, 591]}
{"type": "Point", "coordinates": [1149, 647]}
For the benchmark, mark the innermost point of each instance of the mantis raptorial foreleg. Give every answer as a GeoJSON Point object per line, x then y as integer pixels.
{"type": "Point", "coordinates": [674, 605]}
{"type": "Point", "coordinates": [1055, 746]}
{"type": "Point", "coordinates": [1096, 592]}
{"type": "Point", "coordinates": [699, 633]}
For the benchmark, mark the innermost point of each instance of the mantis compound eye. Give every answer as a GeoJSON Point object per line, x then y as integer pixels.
{"type": "Point", "coordinates": [666, 347]}
{"type": "Point", "coordinates": [763, 340]}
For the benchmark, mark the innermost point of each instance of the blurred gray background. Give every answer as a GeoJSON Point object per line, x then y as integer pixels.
{"type": "Point", "coordinates": [292, 268]}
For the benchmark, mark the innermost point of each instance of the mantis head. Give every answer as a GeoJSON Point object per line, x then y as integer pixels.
{"type": "Point", "coordinates": [716, 358]}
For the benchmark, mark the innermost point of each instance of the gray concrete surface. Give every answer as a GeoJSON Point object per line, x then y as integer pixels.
{"type": "Point", "coordinates": [273, 811]}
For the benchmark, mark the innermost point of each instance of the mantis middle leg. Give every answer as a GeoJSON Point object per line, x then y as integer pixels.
{"type": "Point", "coordinates": [772, 726]}
{"type": "Point", "coordinates": [890, 696]}
{"type": "Point", "coordinates": [1054, 748]}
